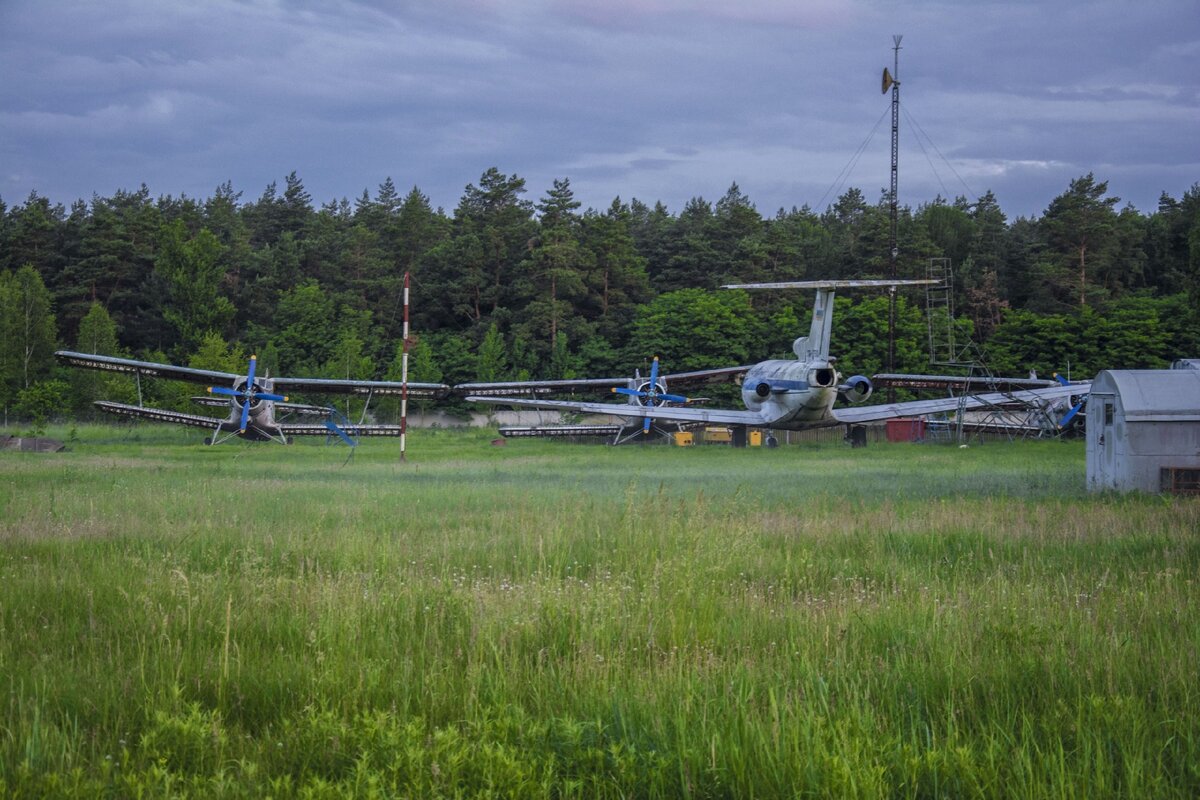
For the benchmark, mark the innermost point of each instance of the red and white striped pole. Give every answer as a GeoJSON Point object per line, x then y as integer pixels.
{"type": "Point", "coordinates": [404, 375]}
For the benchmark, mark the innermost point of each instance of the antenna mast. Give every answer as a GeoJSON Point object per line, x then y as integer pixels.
{"type": "Point", "coordinates": [893, 81]}
{"type": "Point", "coordinates": [404, 376]}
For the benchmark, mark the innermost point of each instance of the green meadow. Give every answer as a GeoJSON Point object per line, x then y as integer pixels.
{"type": "Point", "coordinates": [546, 619]}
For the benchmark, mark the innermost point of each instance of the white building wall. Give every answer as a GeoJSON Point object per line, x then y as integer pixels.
{"type": "Point", "coordinates": [1127, 452]}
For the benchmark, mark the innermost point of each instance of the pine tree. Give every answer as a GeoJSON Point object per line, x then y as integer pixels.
{"type": "Point", "coordinates": [1080, 228]}
{"type": "Point", "coordinates": [192, 270]}
{"type": "Point", "coordinates": [492, 363]}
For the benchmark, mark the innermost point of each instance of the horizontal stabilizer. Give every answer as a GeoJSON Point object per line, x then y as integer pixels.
{"type": "Point", "coordinates": [827, 284]}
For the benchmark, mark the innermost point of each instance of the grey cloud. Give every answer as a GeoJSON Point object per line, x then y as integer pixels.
{"type": "Point", "coordinates": [660, 99]}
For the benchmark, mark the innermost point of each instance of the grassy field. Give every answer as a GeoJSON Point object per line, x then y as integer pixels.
{"type": "Point", "coordinates": [546, 619]}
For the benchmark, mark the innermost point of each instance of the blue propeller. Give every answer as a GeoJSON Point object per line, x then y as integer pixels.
{"type": "Point", "coordinates": [248, 394]}
{"type": "Point", "coordinates": [651, 394]}
{"type": "Point", "coordinates": [331, 423]}
{"type": "Point", "coordinates": [1070, 415]}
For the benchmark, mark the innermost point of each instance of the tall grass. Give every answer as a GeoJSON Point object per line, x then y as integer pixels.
{"type": "Point", "coordinates": [560, 620]}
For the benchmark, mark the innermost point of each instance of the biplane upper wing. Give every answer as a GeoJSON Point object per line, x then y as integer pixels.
{"type": "Point", "coordinates": [332, 386]}
{"type": "Point", "coordinates": [511, 388]}
{"type": "Point", "coordinates": [159, 415]}
{"type": "Point", "coordinates": [678, 380]}
{"type": "Point", "coordinates": [147, 368]}
{"type": "Point", "coordinates": [917, 408]}
{"type": "Point", "coordinates": [960, 384]}
{"type": "Point", "coordinates": [705, 377]}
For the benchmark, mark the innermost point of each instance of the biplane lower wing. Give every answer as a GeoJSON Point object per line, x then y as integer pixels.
{"type": "Point", "coordinates": [297, 429]}
{"type": "Point", "coordinates": [713, 416]}
{"type": "Point", "coordinates": [159, 415]}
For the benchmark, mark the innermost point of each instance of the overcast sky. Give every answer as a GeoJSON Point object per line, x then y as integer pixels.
{"type": "Point", "coordinates": [655, 99]}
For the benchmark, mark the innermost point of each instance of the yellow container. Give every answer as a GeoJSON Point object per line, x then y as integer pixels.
{"type": "Point", "coordinates": [754, 439]}
{"type": "Point", "coordinates": [718, 435]}
{"type": "Point", "coordinates": [683, 438]}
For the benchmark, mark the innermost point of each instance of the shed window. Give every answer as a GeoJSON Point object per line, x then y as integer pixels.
{"type": "Point", "coordinates": [1108, 413]}
{"type": "Point", "coordinates": [1180, 480]}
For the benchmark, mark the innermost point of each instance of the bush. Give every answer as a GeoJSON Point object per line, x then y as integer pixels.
{"type": "Point", "coordinates": [40, 401]}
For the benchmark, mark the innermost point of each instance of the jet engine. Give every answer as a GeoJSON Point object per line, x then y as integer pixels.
{"type": "Point", "coordinates": [855, 390]}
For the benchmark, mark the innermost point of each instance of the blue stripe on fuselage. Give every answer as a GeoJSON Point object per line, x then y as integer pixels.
{"type": "Point", "coordinates": [778, 386]}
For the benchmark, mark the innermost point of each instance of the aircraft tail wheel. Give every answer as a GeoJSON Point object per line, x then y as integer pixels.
{"type": "Point", "coordinates": [772, 441]}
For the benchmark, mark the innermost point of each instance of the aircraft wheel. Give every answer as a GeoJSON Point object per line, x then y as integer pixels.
{"type": "Point", "coordinates": [772, 441]}
{"type": "Point", "coordinates": [208, 440]}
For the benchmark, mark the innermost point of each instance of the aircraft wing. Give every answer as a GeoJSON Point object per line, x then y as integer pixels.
{"type": "Point", "coordinates": [299, 429]}
{"type": "Point", "coordinates": [509, 388]}
{"type": "Point", "coordinates": [917, 408]}
{"type": "Point", "coordinates": [159, 415]}
{"type": "Point", "coordinates": [714, 416]}
{"type": "Point", "coordinates": [148, 368]}
{"type": "Point", "coordinates": [674, 381]}
{"type": "Point", "coordinates": [329, 386]}
{"type": "Point", "coordinates": [705, 377]}
{"type": "Point", "coordinates": [957, 383]}
{"type": "Point", "coordinates": [292, 408]}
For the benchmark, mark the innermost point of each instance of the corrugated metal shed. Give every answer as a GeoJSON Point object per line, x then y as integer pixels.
{"type": "Point", "coordinates": [1143, 430]}
{"type": "Point", "coordinates": [1148, 395]}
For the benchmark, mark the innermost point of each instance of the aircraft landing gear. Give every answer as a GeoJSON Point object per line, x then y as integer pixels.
{"type": "Point", "coordinates": [856, 435]}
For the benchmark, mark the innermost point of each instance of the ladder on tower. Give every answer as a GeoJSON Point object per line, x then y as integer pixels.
{"type": "Point", "coordinates": [946, 351]}
{"type": "Point", "coordinates": [939, 310]}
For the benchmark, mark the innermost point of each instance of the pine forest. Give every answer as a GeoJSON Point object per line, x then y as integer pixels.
{"type": "Point", "coordinates": [512, 286]}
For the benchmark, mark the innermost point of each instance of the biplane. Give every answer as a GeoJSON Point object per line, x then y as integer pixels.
{"type": "Point", "coordinates": [253, 400]}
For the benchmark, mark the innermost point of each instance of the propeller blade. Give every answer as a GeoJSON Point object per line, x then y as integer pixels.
{"type": "Point", "coordinates": [249, 394]}
{"type": "Point", "coordinates": [333, 426]}
{"type": "Point", "coordinates": [225, 391]}
{"type": "Point", "coordinates": [651, 393]}
{"type": "Point", "coordinates": [279, 398]}
{"type": "Point", "coordinates": [674, 398]}
{"type": "Point", "coordinates": [1070, 415]}
{"type": "Point", "coordinates": [630, 392]}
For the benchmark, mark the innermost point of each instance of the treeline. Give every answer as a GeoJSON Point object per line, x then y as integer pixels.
{"type": "Point", "coordinates": [505, 287]}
